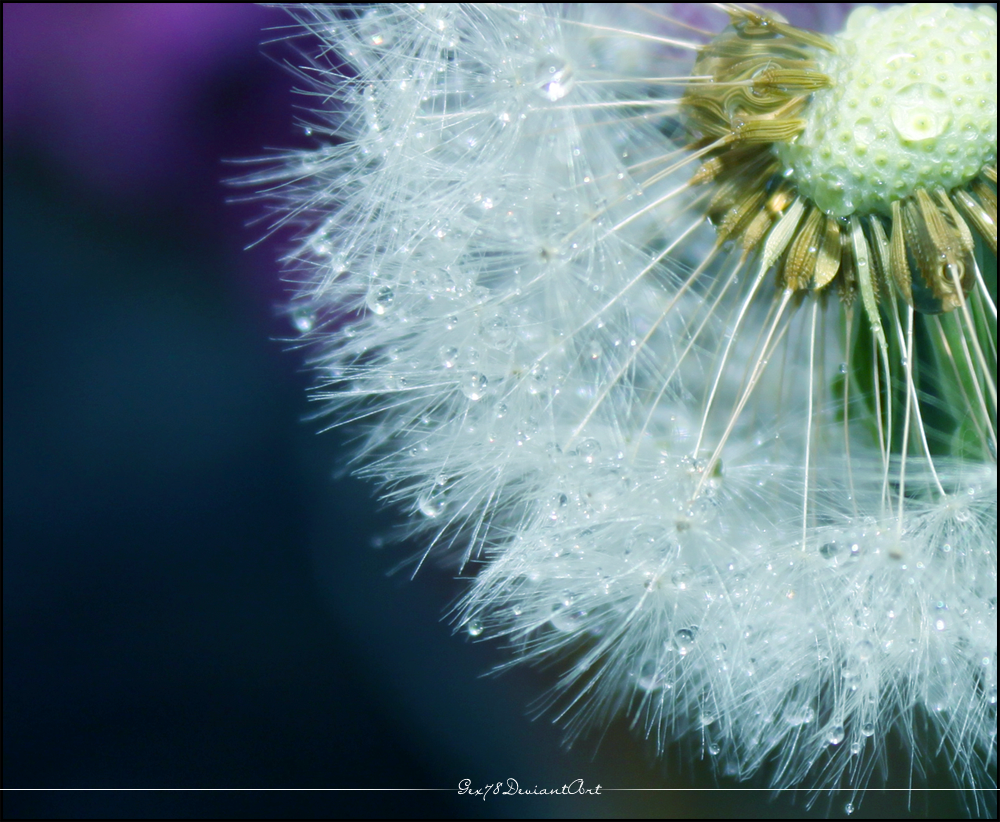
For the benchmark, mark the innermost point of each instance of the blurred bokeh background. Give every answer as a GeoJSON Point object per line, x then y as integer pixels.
{"type": "Point", "coordinates": [193, 596]}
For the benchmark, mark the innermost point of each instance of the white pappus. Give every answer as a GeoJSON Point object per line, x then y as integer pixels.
{"type": "Point", "coordinates": [704, 423]}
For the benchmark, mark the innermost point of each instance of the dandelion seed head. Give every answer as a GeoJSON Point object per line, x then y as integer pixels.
{"type": "Point", "coordinates": [722, 450]}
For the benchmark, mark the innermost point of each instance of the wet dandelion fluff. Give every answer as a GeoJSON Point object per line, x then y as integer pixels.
{"type": "Point", "coordinates": [679, 338]}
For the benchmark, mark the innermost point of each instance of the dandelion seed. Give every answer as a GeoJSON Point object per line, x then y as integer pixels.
{"type": "Point", "coordinates": [700, 331]}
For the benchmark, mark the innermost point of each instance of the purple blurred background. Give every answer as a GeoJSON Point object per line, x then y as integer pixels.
{"type": "Point", "coordinates": [191, 598]}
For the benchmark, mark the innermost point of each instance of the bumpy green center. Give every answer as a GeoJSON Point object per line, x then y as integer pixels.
{"type": "Point", "coordinates": [912, 104]}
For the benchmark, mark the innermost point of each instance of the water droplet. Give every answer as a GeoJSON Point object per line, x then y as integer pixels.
{"type": "Point", "coordinates": [554, 78]}
{"type": "Point", "coordinates": [565, 617]}
{"type": "Point", "coordinates": [303, 318]}
{"type": "Point", "coordinates": [714, 748]}
{"type": "Point", "coordinates": [432, 504]}
{"type": "Point", "coordinates": [556, 505]}
{"type": "Point", "coordinates": [380, 298]}
{"type": "Point", "coordinates": [863, 651]}
{"type": "Point", "coordinates": [835, 735]}
{"type": "Point", "coordinates": [684, 640]}
{"type": "Point", "coordinates": [682, 578]}
{"type": "Point", "coordinates": [497, 332]}
{"type": "Point", "coordinates": [537, 380]}
{"type": "Point", "coordinates": [865, 132]}
{"type": "Point", "coordinates": [855, 748]}
{"type": "Point", "coordinates": [800, 715]}
{"type": "Point", "coordinates": [473, 385]}
{"type": "Point", "coordinates": [650, 676]}
{"type": "Point", "coordinates": [921, 111]}
{"type": "Point", "coordinates": [849, 808]}
{"type": "Point", "coordinates": [642, 540]}
{"type": "Point", "coordinates": [868, 729]}
{"type": "Point", "coordinates": [589, 449]}
{"type": "Point", "coordinates": [829, 550]}
{"type": "Point", "coordinates": [940, 692]}
{"type": "Point", "coordinates": [475, 628]}
{"type": "Point", "coordinates": [449, 356]}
